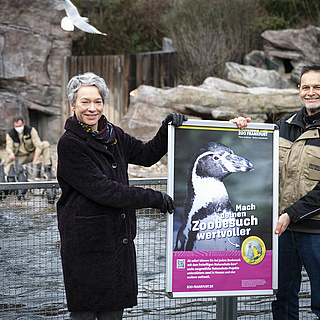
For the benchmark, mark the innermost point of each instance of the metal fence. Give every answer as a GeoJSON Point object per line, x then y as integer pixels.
{"type": "Point", "coordinates": [31, 282]}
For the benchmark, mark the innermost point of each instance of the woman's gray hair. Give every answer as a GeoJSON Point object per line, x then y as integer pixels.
{"type": "Point", "coordinates": [84, 80]}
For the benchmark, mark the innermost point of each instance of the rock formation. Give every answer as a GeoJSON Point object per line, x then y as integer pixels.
{"type": "Point", "coordinates": [250, 76]}
{"type": "Point", "coordinates": [215, 99]}
{"type": "Point", "coordinates": [287, 50]}
{"type": "Point", "coordinates": [292, 46]}
{"type": "Point", "coordinates": [32, 49]}
{"type": "Point", "coordinates": [256, 89]}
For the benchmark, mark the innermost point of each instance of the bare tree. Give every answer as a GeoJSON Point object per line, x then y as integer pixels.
{"type": "Point", "coordinates": [208, 33]}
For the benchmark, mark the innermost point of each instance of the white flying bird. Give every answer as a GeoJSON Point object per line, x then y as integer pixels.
{"type": "Point", "coordinates": [74, 19]}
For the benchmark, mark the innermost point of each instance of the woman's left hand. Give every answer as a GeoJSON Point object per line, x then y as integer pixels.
{"type": "Point", "coordinates": [176, 119]}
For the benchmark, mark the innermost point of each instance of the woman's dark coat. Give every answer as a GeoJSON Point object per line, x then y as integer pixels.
{"type": "Point", "coordinates": [96, 215]}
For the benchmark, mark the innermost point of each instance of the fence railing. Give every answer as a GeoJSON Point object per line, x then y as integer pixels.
{"type": "Point", "coordinates": [31, 281]}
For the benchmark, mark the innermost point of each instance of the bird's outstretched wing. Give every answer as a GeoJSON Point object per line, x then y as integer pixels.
{"type": "Point", "coordinates": [85, 26]}
{"type": "Point", "coordinates": [71, 10]}
{"type": "Point", "coordinates": [74, 17]}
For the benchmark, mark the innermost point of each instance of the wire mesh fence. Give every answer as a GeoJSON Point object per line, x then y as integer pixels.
{"type": "Point", "coordinates": [31, 281]}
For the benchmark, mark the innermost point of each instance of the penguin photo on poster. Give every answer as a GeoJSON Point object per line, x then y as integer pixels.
{"type": "Point", "coordinates": [207, 205]}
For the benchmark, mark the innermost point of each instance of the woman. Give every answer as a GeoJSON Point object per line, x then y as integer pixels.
{"type": "Point", "coordinates": [96, 211]}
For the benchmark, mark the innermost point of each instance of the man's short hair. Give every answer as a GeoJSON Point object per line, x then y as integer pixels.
{"type": "Point", "coordinates": [18, 118]}
{"type": "Point", "coordinates": [308, 68]}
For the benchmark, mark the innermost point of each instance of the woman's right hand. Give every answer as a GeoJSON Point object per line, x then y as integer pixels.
{"type": "Point", "coordinates": [241, 122]}
{"type": "Point", "coordinates": [168, 203]}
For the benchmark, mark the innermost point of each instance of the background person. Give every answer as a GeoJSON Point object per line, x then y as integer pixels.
{"type": "Point", "coordinates": [298, 224]}
{"type": "Point", "coordinates": [23, 143]}
{"type": "Point", "coordinates": [96, 211]}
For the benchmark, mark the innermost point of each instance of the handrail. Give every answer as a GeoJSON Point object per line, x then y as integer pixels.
{"type": "Point", "coordinates": [55, 184]}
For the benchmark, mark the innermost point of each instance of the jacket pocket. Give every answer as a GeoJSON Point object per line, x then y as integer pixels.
{"type": "Point", "coordinates": [284, 149]}
{"type": "Point", "coordinates": [93, 234]}
{"type": "Point", "coordinates": [85, 234]}
{"type": "Point", "coordinates": [28, 144]}
{"type": "Point", "coordinates": [312, 163]}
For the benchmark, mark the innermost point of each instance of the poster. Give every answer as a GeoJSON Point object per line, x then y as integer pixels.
{"type": "Point", "coordinates": [224, 182]}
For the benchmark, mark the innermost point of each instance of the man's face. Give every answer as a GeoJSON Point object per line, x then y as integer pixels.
{"type": "Point", "coordinates": [310, 91]}
{"type": "Point", "coordinates": [18, 124]}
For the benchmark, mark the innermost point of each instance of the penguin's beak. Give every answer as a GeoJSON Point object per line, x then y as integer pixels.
{"type": "Point", "coordinates": [237, 163]}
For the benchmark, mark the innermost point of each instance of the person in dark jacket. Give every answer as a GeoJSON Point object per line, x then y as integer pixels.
{"type": "Point", "coordinates": [96, 210]}
{"type": "Point", "coordinates": [298, 224]}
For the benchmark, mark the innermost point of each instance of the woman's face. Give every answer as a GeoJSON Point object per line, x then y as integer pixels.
{"type": "Point", "coordinates": [89, 106]}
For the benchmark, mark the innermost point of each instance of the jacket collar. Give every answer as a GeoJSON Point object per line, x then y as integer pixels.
{"type": "Point", "coordinates": [298, 119]}
{"type": "Point", "coordinates": [73, 125]}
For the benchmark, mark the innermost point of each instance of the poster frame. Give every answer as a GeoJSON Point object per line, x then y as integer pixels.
{"type": "Point", "coordinates": [221, 125]}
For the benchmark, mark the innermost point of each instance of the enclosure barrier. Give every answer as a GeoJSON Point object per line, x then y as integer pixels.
{"type": "Point", "coordinates": [31, 282]}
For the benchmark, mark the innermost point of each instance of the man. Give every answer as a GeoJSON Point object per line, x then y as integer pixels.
{"type": "Point", "coordinates": [298, 224]}
{"type": "Point", "coordinates": [23, 143]}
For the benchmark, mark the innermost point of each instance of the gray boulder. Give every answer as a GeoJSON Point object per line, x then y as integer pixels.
{"type": "Point", "coordinates": [297, 45]}
{"type": "Point", "coordinates": [256, 58]}
{"type": "Point", "coordinates": [215, 99]}
{"type": "Point", "coordinates": [250, 76]}
{"type": "Point", "coordinates": [286, 50]}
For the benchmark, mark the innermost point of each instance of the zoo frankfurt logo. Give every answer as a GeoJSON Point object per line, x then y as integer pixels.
{"type": "Point", "coordinates": [253, 250]}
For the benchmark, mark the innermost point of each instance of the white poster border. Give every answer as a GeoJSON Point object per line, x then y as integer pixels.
{"type": "Point", "coordinates": [170, 190]}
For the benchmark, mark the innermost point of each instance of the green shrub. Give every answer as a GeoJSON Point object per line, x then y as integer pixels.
{"type": "Point", "coordinates": [132, 26]}
{"type": "Point", "coordinates": [296, 13]}
{"type": "Point", "coordinates": [207, 33]}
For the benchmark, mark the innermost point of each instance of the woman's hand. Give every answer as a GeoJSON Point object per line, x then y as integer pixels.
{"type": "Point", "coordinates": [176, 119]}
{"type": "Point", "coordinates": [168, 203]}
{"type": "Point", "coordinates": [241, 122]}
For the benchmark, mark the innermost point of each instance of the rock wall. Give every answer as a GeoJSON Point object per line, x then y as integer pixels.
{"type": "Point", "coordinates": [32, 49]}
{"type": "Point", "coordinates": [287, 51]}
{"type": "Point", "coordinates": [294, 46]}
{"type": "Point", "coordinates": [263, 88]}
{"type": "Point", "coordinates": [215, 99]}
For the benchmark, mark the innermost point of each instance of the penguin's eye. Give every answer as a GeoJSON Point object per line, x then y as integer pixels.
{"type": "Point", "coordinates": [216, 158]}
